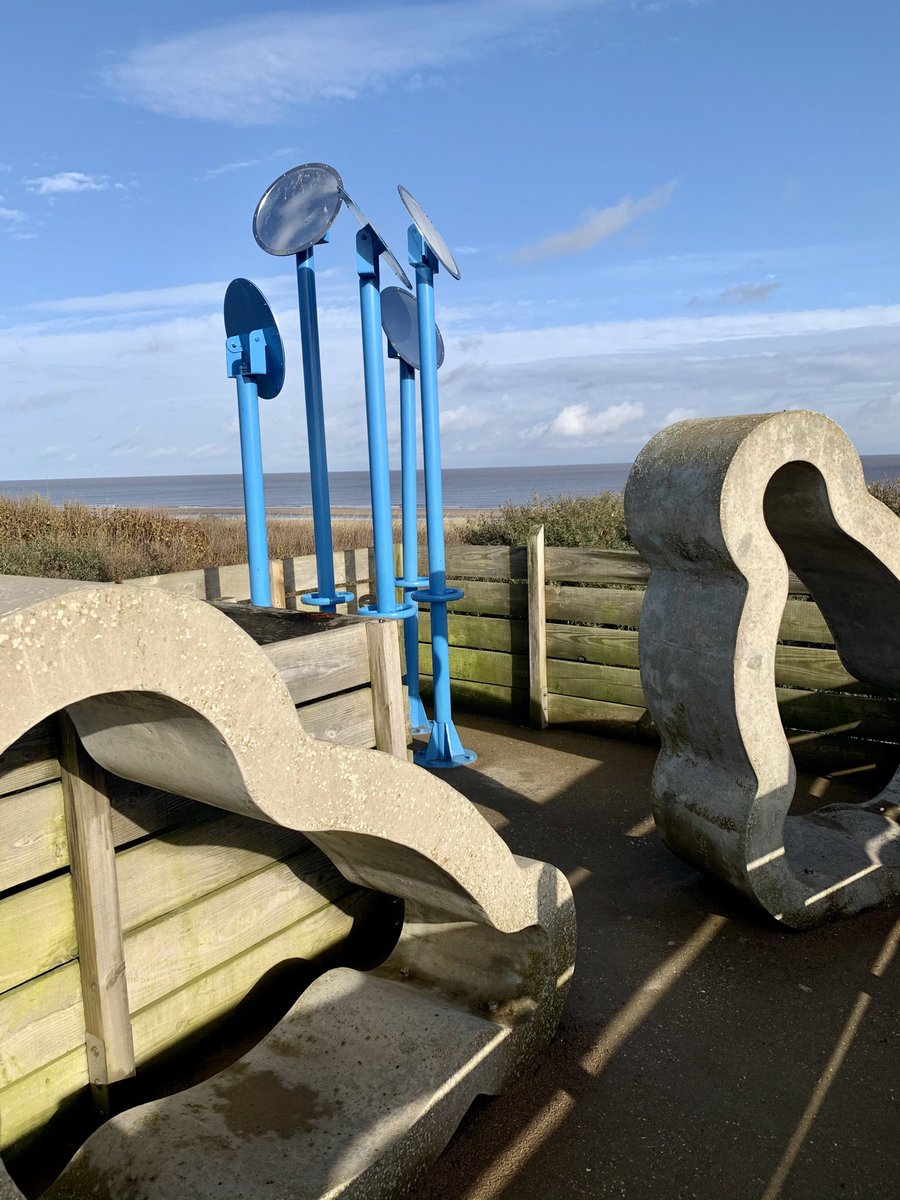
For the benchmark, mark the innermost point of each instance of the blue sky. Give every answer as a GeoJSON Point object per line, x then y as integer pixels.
{"type": "Point", "coordinates": [660, 209]}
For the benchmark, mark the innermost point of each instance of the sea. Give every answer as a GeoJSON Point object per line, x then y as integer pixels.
{"type": "Point", "coordinates": [464, 488]}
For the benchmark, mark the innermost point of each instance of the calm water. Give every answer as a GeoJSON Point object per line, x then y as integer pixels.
{"type": "Point", "coordinates": [474, 487]}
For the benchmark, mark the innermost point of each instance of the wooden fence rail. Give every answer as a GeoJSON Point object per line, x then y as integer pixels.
{"type": "Point", "coordinates": [550, 635]}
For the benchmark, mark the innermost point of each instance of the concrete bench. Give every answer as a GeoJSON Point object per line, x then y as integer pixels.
{"type": "Point", "coordinates": [284, 848]}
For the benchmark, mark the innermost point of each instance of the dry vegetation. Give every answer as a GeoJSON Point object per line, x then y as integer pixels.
{"type": "Point", "coordinates": [79, 542]}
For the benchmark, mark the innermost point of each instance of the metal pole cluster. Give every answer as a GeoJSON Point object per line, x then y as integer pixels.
{"type": "Point", "coordinates": [293, 216]}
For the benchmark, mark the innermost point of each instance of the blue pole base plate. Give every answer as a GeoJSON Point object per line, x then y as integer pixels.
{"type": "Point", "coordinates": [419, 722]}
{"type": "Point", "coordinates": [400, 613]}
{"type": "Point", "coordinates": [443, 597]}
{"type": "Point", "coordinates": [417, 581]}
{"type": "Point", "coordinates": [444, 749]}
{"type": "Point", "coordinates": [320, 601]}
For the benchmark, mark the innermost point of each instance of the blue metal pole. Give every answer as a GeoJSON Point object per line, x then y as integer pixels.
{"type": "Point", "coordinates": [410, 579]}
{"type": "Point", "coordinates": [254, 494]}
{"type": "Point", "coordinates": [444, 747]}
{"type": "Point", "coordinates": [368, 248]}
{"type": "Point", "coordinates": [325, 596]}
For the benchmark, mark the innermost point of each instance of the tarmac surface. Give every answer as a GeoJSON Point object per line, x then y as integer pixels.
{"type": "Point", "coordinates": [704, 1053]}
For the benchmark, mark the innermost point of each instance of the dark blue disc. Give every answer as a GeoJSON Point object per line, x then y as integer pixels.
{"type": "Point", "coordinates": [246, 309]}
{"type": "Point", "coordinates": [400, 322]}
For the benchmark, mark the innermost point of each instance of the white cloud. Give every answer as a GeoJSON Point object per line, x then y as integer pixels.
{"type": "Point", "coordinates": [67, 182]}
{"type": "Point", "coordinates": [595, 227]}
{"type": "Point", "coordinates": [159, 397]}
{"type": "Point", "coordinates": [577, 421]}
{"type": "Point", "coordinates": [680, 414]}
{"type": "Point", "coordinates": [12, 217]}
{"type": "Point", "coordinates": [252, 72]}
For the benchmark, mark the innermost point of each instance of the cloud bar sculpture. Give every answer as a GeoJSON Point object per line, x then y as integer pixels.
{"type": "Point", "coordinates": [367, 1076]}
{"type": "Point", "coordinates": [720, 508]}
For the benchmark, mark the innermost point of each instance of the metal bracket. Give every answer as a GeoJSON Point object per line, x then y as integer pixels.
{"type": "Point", "coordinates": [245, 354]}
{"type": "Point", "coordinates": [420, 253]}
{"type": "Point", "coordinates": [369, 247]}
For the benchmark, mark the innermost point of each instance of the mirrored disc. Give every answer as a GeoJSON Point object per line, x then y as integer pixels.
{"type": "Point", "coordinates": [246, 309]}
{"type": "Point", "coordinates": [298, 209]}
{"type": "Point", "coordinates": [428, 230]}
{"type": "Point", "coordinates": [400, 322]}
{"type": "Point", "coordinates": [386, 251]}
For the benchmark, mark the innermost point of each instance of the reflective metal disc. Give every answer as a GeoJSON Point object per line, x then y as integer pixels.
{"type": "Point", "coordinates": [246, 309]}
{"type": "Point", "coordinates": [298, 209]}
{"type": "Point", "coordinates": [386, 252]}
{"type": "Point", "coordinates": [400, 322]}
{"type": "Point", "coordinates": [429, 232]}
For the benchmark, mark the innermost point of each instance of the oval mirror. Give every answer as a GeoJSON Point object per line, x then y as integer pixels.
{"type": "Point", "coordinates": [400, 322]}
{"type": "Point", "coordinates": [428, 230]}
{"type": "Point", "coordinates": [298, 209]}
{"type": "Point", "coordinates": [386, 252]}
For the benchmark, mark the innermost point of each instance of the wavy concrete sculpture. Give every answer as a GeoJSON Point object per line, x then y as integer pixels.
{"type": "Point", "coordinates": [717, 507]}
{"type": "Point", "coordinates": [368, 1075]}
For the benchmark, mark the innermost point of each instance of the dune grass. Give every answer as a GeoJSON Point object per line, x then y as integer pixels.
{"type": "Point", "coordinates": [75, 541]}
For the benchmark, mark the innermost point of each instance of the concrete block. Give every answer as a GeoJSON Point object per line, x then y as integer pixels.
{"type": "Point", "coordinates": [366, 1078]}
{"type": "Point", "coordinates": [720, 508]}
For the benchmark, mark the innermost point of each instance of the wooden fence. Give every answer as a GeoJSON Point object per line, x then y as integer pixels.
{"type": "Point", "coordinates": [550, 635]}
{"type": "Point", "coordinates": [130, 918]}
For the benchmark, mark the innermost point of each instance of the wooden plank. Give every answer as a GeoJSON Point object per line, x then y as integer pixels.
{"type": "Point", "coordinates": [346, 719]}
{"type": "Point", "coordinates": [618, 685]}
{"type": "Point", "coordinates": [161, 875]}
{"type": "Point", "coordinates": [41, 1020]}
{"type": "Point", "coordinates": [32, 834]}
{"type": "Point", "coordinates": [481, 562]}
{"type": "Point", "coordinates": [811, 667]}
{"type": "Point", "coordinates": [490, 698]}
{"type": "Point", "coordinates": [31, 1101]}
{"type": "Point", "coordinates": [802, 622]}
{"type": "Point", "coordinates": [37, 931]}
{"type": "Point", "coordinates": [594, 605]}
{"type": "Point", "coordinates": [352, 568]}
{"type": "Point", "coordinates": [840, 712]}
{"type": "Point", "coordinates": [29, 761]}
{"type": "Point", "coordinates": [98, 922]}
{"type": "Point", "coordinates": [138, 811]}
{"type": "Point", "coordinates": [614, 647]}
{"type": "Point", "coordinates": [568, 564]}
{"type": "Point", "coordinates": [537, 629]}
{"type": "Point", "coordinates": [481, 666]}
{"type": "Point", "coordinates": [276, 583]}
{"type": "Point", "coordinates": [168, 1020]}
{"type": "Point", "coordinates": [795, 666]}
{"type": "Point", "coordinates": [480, 633]}
{"type": "Point", "coordinates": [622, 719]}
{"type": "Point", "coordinates": [584, 564]}
{"type": "Point", "coordinates": [228, 582]}
{"type": "Point", "coordinates": [334, 660]}
{"type": "Point", "coordinates": [219, 926]}
{"type": "Point", "coordinates": [188, 583]}
{"type": "Point", "coordinates": [490, 598]}
{"type": "Point", "coordinates": [389, 708]}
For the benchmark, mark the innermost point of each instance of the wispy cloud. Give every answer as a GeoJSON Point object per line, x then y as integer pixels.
{"type": "Point", "coordinates": [743, 294]}
{"type": "Point", "coordinates": [595, 227]}
{"type": "Point", "coordinates": [253, 72]}
{"type": "Point", "coordinates": [578, 422]}
{"type": "Point", "coordinates": [12, 217]}
{"type": "Point", "coordinates": [64, 182]}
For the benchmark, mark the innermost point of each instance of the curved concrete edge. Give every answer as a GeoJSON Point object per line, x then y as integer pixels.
{"type": "Point", "coordinates": [167, 691]}
{"type": "Point", "coordinates": [714, 505]}
{"type": "Point", "coordinates": [370, 1073]}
